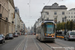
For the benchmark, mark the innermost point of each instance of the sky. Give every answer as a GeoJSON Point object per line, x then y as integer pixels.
{"type": "Point", "coordinates": [30, 10]}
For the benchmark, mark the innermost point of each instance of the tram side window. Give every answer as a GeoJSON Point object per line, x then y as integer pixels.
{"type": "Point", "coordinates": [37, 31]}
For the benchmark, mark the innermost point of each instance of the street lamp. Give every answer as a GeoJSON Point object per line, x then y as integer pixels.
{"type": "Point", "coordinates": [65, 24]}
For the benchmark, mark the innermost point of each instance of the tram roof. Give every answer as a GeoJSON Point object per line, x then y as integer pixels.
{"type": "Point", "coordinates": [48, 21]}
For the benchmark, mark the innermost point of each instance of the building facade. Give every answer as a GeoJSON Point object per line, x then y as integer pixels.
{"type": "Point", "coordinates": [54, 12]}
{"type": "Point", "coordinates": [21, 26]}
{"type": "Point", "coordinates": [58, 13]}
{"type": "Point", "coordinates": [10, 20]}
{"type": "Point", "coordinates": [71, 14]}
{"type": "Point", "coordinates": [4, 17]}
{"type": "Point", "coordinates": [17, 20]}
{"type": "Point", "coordinates": [11, 16]}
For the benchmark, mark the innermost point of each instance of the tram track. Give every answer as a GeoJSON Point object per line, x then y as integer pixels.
{"type": "Point", "coordinates": [54, 46]}
{"type": "Point", "coordinates": [49, 46]}
{"type": "Point", "coordinates": [37, 44]}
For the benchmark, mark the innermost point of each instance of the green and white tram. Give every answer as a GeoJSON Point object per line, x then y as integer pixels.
{"type": "Point", "coordinates": [45, 31]}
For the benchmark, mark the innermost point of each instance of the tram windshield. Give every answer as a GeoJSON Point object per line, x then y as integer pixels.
{"type": "Point", "coordinates": [49, 28]}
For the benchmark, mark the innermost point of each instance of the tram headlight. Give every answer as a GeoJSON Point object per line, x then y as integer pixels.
{"type": "Point", "coordinates": [45, 34]}
{"type": "Point", "coordinates": [52, 36]}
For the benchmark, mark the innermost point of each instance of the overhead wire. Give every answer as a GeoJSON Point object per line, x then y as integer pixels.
{"type": "Point", "coordinates": [29, 6]}
{"type": "Point", "coordinates": [48, 2]}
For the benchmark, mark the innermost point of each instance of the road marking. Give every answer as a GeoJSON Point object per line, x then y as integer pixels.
{"type": "Point", "coordinates": [50, 46]}
{"type": "Point", "coordinates": [63, 45]}
{"type": "Point", "coordinates": [25, 46]}
{"type": "Point", "coordinates": [40, 48]}
{"type": "Point", "coordinates": [60, 44]}
{"type": "Point", "coordinates": [35, 44]}
{"type": "Point", "coordinates": [19, 45]}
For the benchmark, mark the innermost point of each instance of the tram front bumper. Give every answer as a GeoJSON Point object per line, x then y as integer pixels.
{"type": "Point", "coordinates": [49, 38]}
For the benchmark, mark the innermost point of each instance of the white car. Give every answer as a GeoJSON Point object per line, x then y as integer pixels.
{"type": "Point", "coordinates": [70, 35]}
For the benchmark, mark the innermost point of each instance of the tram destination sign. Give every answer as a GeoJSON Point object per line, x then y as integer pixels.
{"type": "Point", "coordinates": [49, 23]}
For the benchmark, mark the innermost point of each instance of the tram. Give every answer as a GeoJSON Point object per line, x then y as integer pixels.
{"type": "Point", "coordinates": [45, 31]}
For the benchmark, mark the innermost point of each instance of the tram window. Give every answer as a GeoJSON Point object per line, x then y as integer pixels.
{"type": "Point", "coordinates": [50, 29]}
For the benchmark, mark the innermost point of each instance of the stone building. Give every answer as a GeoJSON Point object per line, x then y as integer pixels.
{"type": "Point", "coordinates": [4, 17]}
{"type": "Point", "coordinates": [11, 16]}
{"type": "Point", "coordinates": [19, 24]}
{"type": "Point", "coordinates": [54, 12]}
{"type": "Point", "coordinates": [17, 20]}
{"type": "Point", "coordinates": [71, 14]}
{"type": "Point", "coordinates": [58, 13]}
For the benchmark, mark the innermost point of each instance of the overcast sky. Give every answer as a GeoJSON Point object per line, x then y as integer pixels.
{"type": "Point", "coordinates": [30, 9]}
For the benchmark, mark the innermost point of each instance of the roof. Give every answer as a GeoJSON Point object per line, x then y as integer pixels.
{"type": "Point", "coordinates": [72, 9]}
{"type": "Point", "coordinates": [55, 6]}
{"type": "Point", "coordinates": [48, 21]}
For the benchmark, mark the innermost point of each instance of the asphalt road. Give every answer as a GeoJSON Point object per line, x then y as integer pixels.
{"type": "Point", "coordinates": [12, 43]}
{"type": "Point", "coordinates": [29, 42]}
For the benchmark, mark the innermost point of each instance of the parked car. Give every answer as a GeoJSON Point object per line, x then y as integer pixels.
{"type": "Point", "coordinates": [70, 35]}
{"type": "Point", "coordinates": [9, 36]}
{"type": "Point", "coordinates": [15, 34]}
{"type": "Point", "coordinates": [2, 38]}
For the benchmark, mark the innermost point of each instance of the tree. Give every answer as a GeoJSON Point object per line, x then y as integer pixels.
{"type": "Point", "coordinates": [71, 25]}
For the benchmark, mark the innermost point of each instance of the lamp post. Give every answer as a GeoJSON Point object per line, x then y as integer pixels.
{"type": "Point", "coordinates": [65, 24]}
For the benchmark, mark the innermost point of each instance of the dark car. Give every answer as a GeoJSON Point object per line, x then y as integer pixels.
{"type": "Point", "coordinates": [15, 34]}
{"type": "Point", "coordinates": [9, 36]}
{"type": "Point", "coordinates": [2, 38]}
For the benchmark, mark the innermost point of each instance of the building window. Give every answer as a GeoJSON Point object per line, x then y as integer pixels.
{"type": "Point", "coordinates": [74, 16]}
{"type": "Point", "coordinates": [71, 16]}
{"type": "Point", "coordinates": [47, 13]}
{"type": "Point", "coordinates": [63, 13]}
{"type": "Point", "coordinates": [68, 16]}
{"type": "Point", "coordinates": [55, 13]}
{"type": "Point", "coordinates": [62, 19]}
{"type": "Point", "coordinates": [74, 12]}
{"type": "Point", "coordinates": [74, 20]}
{"type": "Point", "coordinates": [69, 12]}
